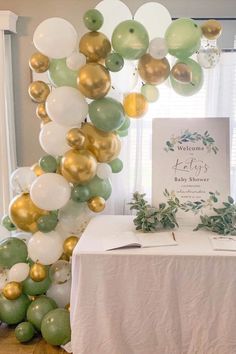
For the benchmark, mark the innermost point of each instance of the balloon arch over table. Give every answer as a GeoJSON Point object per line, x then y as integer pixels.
{"type": "Point", "coordinates": [56, 197]}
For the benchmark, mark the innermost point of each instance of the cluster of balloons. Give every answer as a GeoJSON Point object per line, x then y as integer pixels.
{"type": "Point", "coordinates": [55, 197]}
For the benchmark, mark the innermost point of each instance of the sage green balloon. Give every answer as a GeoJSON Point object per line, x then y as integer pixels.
{"type": "Point", "coordinates": [125, 125]}
{"type": "Point", "coordinates": [13, 311]}
{"type": "Point", "coordinates": [183, 37]}
{"type": "Point", "coordinates": [31, 287]}
{"type": "Point", "coordinates": [80, 194]}
{"type": "Point", "coordinates": [114, 62]}
{"type": "Point", "coordinates": [93, 19]}
{"type": "Point", "coordinates": [122, 133]}
{"type": "Point", "coordinates": [12, 251]}
{"type": "Point", "coordinates": [38, 309]}
{"type": "Point", "coordinates": [106, 114]}
{"type": "Point", "coordinates": [99, 188]}
{"type": "Point", "coordinates": [130, 39]}
{"type": "Point", "coordinates": [8, 224]}
{"type": "Point", "coordinates": [192, 88]}
{"type": "Point", "coordinates": [116, 165]}
{"type": "Point", "coordinates": [24, 332]}
{"type": "Point", "coordinates": [48, 163]}
{"type": "Point", "coordinates": [150, 92]}
{"type": "Point", "coordinates": [55, 327]}
{"type": "Point", "coordinates": [60, 75]}
{"type": "Point", "coordinates": [47, 223]}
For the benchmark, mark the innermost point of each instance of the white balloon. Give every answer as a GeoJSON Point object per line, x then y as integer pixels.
{"type": "Point", "coordinates": [4, 233]}
{"type": "Point", "coordinates": [50, 191]}
{"type": "Point", "coordinates": [3, 277]}
{"type": "Point", "coordinates": [66, 106]}
{"type": "Point", "coordinates": [19, 272]}
{"type": "Point", "coordinates": [21, 180]}
{"type": "Point", "coordinates": [158, 48]}
{"type": "Point", "coordinates": [104, 171]}
{"type": "Point", "coordinates": [75, 61]}
{"type": "Point", "coordinates": [55, 37]}
{"type": "Point", "coordinates": [24, 236]}
{"type": "Point", "coordinates": [52, 139]}
{"type": "Point", "coordinates": [127, 78]}
{"type": "Point", "coordinates": [45, 248]}
{"type": "Point", "coordinates": [60, 293]}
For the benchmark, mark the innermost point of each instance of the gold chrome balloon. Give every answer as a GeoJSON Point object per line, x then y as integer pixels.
{"type": "Point", "coordinates": [182, 73]}
{"type": "Point", "coordinates": [78, 166]}
{"type": "Point", "coordinates": [42, 113]}
{"type": "Point", "coordinates": [24, 213]}
{"type": "Point", "coordinates": [75, 138]}
{"type": "Point", "coordinates": [135, 105]}
{"type": "Point", "coordinates": [94, 81]}
{"type": "Point", "coordinates": [39, 62]}
{"type": "Point", "coordinates": [69, 245]}
{"type": "Point", "coordinates": [64, 257]}
{"type": "Point", "coordinates": [95, 46]}
{"type": "Point", "coordinates": [96, 204]}
{"type": "Point", "coordinates": [38, 272]}
{"type": "Point", "coordinates": [67, 307]}
{"type": "Point", "coordinates": [38, 91]}
{"type": "Point", "coordinates": [12, 290]}
{"type": "Point", "coordinates": [37, 169]}
{"type": "Point", "coordinates": [153, 71]}
{"type": "Point", "coordinates": [211, 29]}
{"type": "Point", "coordinates": [104, 145]}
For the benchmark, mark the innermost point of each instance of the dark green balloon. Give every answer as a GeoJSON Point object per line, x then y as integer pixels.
{"type": "Point", "coordinates": [48, 163]}
{"type": "Point", "coordinates": [100, 188]}
{"type": "Point", "coordinates": [24, 332]}
{"type": "Point", "coordinates": [47, 223]}
{"type": "Point", "coordinates": [55, 327]}
{"type": "Point", "coordinates": [8, 224]}
{"type": "Point", "coordinates": [38, 309]}
{"type": "Point", "coordinates": [93, 19]}
{"type": "Point", "coordinates": [106, 114]}
{"type": "Point", "coordinates": [13, 311]}
{"type": "Point", "coordinates": [130, 39]}
{"type": "Point", "coordinates": [60, 75]}
{"type": "Point", "coordinates": [12, 251]}
{"type": "Point", "coordinates": [114, 62]}
{"type": "Point", "coordinates": [80, 194]}
{"type": "Point", "coordinates": [33, 288]}
{"type": "Point", "coordinates": [116, 165]}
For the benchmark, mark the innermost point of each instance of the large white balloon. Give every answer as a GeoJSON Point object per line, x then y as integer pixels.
{"type": "Point", "coordinates": [21, 180]}
{"type": "Point", "coordinates": [52, 139]}
{"type": "Point", "coordinates": [45, 248]}
{"type": "Point", "coordinates": [50, 191]}
{"type": "Point", "coordinates": [126, 79]}
{"type": "Point", "coordinates": [60, 293]}
{"type": "Point", "coordinates": [66, 106]}
{"type": "Point", "coordinates": [19, 272]}
{"type": "Point", "coordinates": [55, 37]}
{"type": "Point", "coordinates": [75, 61]}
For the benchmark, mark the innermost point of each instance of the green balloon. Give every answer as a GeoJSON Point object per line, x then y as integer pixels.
{"type": "Point", "coordinates": [8, 224]}
{"type": "Point", "coordinates": [31, 287]}
{"type": "Point", "coordinates": [125, 125]}
{"type": "Point", "coordinates": [99, 188]}
{"type": "Point", "coordinates": [150, 92]}
{"type": "Point", "coordinates": [12, 251]}
{"type": "Point", "coordinates": [47, 223]}
{"type": "Point", "coordinates": [80, 194]}
{"type": "Point", "coordinates": [183, 37]}
{"type": "Point", "coordinates": [114, 62]}
{"type": "Point", "coordinates": [93, 19]}
{"type": "Point", "coordinates": [13, 311]}
{"type": "Point", "coordinates": [55, 327]}
{"type": "Point", "coordinates": [189, 89]}
{"type": "Point", "coordinates": [48, 163]}
{"type": "Point", "coordinates": [122, 133]}
{"type": "Point", "coordinates": [24, 332]}
{"type": "Point", "coordinates": [130, 39]}
{"type": "Point", "coordinates": [106, 114]}
{"type": "Point", "coordinates": [38, 309]}
{"type": "Point", "coordinates": [116, 165]}
{"type": "Point", "coordinates": [60, 75]}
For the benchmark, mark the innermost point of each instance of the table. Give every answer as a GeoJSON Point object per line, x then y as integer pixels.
{"type": "Point", "coordinates": [166, 300]}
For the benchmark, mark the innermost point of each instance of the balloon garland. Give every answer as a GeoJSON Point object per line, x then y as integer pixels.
{"type": "Point", "coordinates": [56, 196]}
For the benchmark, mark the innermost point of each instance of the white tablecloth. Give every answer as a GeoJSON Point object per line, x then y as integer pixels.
{"type": "Point", "coordinates": [167, 300]}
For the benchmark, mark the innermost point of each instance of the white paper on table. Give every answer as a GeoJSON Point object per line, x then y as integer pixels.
{"type": "Point", "coordinates": [223, 243]}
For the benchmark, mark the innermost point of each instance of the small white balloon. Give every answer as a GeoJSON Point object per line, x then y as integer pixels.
{"type": "Point", "coordinates": [19, 272]}
{"type": "Point", "coordinates": [60, 272]}
{"type": "Point", "coordinates": [158, 48]}
{"type": "Point", "coordinates": [50, 191]}
{"type": "Point", "coordinates": [22, 179]}
{"type": "Point", "coordinates": [66, 106]}
{"type": "Point", "coordinates": [60, 293]}
{"type": "Point", "coordinates": [150, 92]}
{"type": "Point", "coordinates": [75, 61]}
{"type": "Point", "coordinates": [55, 37]}
{"type": "Point", "coordinates": [104, 171]}
{"type": "Point", "coordinates": [52, 139]}
{"type": "Point", "coordinates": [3, 277]}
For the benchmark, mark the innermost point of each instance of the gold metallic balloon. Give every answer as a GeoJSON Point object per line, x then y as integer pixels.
{"type": "Point", "coordinates": [211, 29]}
{"type": "Point", "coordinates": [153, 71]}
{"type": "Point", "coordinates": [12, 290]}
{"type": "Point", "coordinates": [42, 113]}
{"type": "Point", "coordinates": [24, 213]}
{"type": "Point", "coordinates": [67, 307]}
{"type": "Point", "coordinates": [135, 105]}
{"type": "Point", "coordinates": [104, 145]}
{"type": "Point", "coordinates": [97, 204]}
{"type": "Point", "coordinates": [64, 257]}
{"type": "Point", "coordinates": [69, 245]}
{"type": "Point", "coordinates": [38, 91]}
{"type": "Point", "coordinates": [94, 81]}
{"type": "Point", "coordinates": [39, 62]}
{"type": "Point", "coordinates": [37, 169]}
{"type": "Point", "coordinates": [95, 46]}
{"type": "Point", "coordinates": [182, 73]}
{"type": "Point", "coordinates": [78, 166]}
{"type": "Point", "coordinates": [38, 272]}
{"type": "Point", "coordinates": [75, 138]}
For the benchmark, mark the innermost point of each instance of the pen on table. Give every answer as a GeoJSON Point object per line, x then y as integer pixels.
{"type": "Point", "coordinates": [173, 235]}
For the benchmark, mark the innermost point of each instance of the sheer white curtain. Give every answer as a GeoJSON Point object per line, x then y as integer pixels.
{"type": "Point", "coordinates": [217, 98]}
